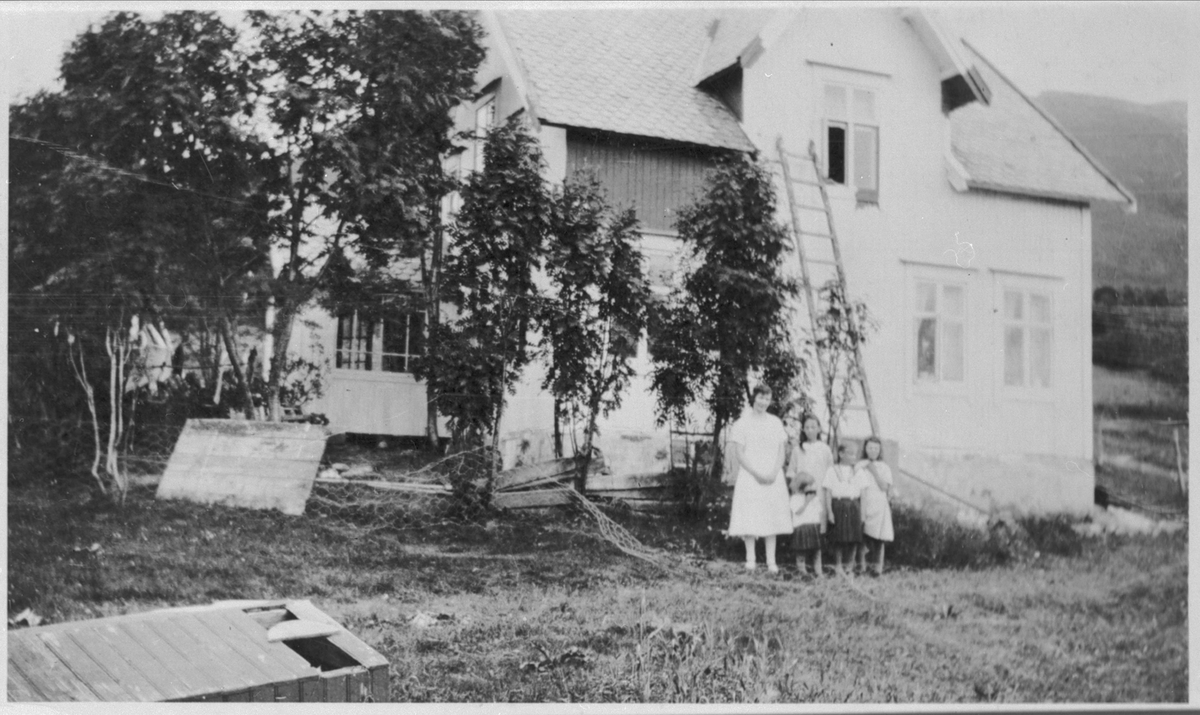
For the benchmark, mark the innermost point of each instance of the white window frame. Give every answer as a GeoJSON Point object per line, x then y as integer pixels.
{"type": "Point", "coordinates": [370, 358]}
{"type": "Point", "coordinates": [941, 279]}
{"type": "Point", "coordinates": [1028, 324]}
{"type": "Point", "coordinates": [852, 121]}
{"type": "Point", "coordinates": [483, 118]}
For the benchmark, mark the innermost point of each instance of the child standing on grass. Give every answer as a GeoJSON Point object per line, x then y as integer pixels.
{"type": "Point", "coordinates": [876, 507]}
{"type": "Point", "coordinates": [844, 487]}
{"type": "Point", "coordinates": [758, 443]}
{"type": "Point", "coordinates": [811, 461]}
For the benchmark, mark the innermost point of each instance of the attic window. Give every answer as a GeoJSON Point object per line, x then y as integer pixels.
{"type": "Point", "coordinates": [852, 140]}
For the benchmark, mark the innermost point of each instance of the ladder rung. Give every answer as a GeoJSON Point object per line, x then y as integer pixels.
{"type": "Point", "coordinates": [811, 208]}
{"type": "Point", "coordinates": [817, 235]}
{"type": "Point", "coordinates": [821, 261]}
{"type": "Point", "coordinates": [807, 183]}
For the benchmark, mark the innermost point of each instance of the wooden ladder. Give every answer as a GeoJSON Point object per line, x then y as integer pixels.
{"type": "Point", "coordinates": [807, 259]}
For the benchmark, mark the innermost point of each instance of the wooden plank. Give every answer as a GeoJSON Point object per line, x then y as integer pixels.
{"type": "Point", "coordinates": [205, 650]}
{"type": "Point", "coordinates": [276, 661]}
{"type": "Point", "coordinates": [262, 694]}
{"type": "Point", "coordinates": [20, 689]}
{"type": "Point", "coordinates": [606, 482]}
{"type": "Point", "coordinates": [380, 684]}
{"type": "Point", "coordinates": [414, 487]}
{"type": "Point", "coordinates": [518, 476]}
{"type": "Point", "coordinates": [651, 494]}
{"type": "Point", "coordinates": [46, 672]}
{"type": "Point", "coordinates": [86, 669]}
{"type": "Point", "coordinates": [310, 691]}
{"type": "Point", "coordinates": [350, 644]}
{"type": "Point", "coordinates": [289, 692]}
{"type": "Point", "coordinates": [197, 680]}
{"type": "Point", "coordinates": [530, 500]}
{"type": "Point", "coordinates": [238, 653]}
{"type": "Point", "coordinates": [140, 659]}
{"type": "Point", "coordinates": [137, 686]}
{"type": "Point", "coordinates": [334, 686]}
{"type": "Point", "coordinates": [257, 465]}
{"type": "Point", "coordinates": [356, 685]}
{"type": "Point", "coordinates": [268, 618]}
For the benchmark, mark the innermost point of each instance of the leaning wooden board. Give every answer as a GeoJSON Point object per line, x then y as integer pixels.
{"type": "Point", "coordinates": [258, 465]}
{"type": "Point", "coordinates": [215, 653]}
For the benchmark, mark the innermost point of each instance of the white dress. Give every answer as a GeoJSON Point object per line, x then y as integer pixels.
{"type": "Point", "coordinates": [759, 509]}
{"type": "Point", "coordinates": [877, 513]}
{"type": "Point", "coordinates": [815, 459]}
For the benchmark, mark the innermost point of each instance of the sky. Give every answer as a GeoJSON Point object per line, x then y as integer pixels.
{"type": "Point", "coordinates": [1137, 51]}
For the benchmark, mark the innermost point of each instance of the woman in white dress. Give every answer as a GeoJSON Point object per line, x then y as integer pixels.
{"type": "Point", "coordinates": [876, 509]}
{"type": "Point", "coordinates": [758, 443]}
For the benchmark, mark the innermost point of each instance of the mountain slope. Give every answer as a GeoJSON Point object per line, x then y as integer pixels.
{"type": "Point", "coordinates": [1145, 148]}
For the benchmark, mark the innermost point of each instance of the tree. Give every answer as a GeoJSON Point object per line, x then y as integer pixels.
{"type": "Point", "coordinates": [133, 200]}
{"type": "Point", "coordinates": [359, 115]}
{"type": "Point", "coordinates": [496, 247]}
{"type": "Point", "coordinates": [842, 329]}
{"type": "Point", "coordinates": [731, 316]}
{"type": "Point", "coordinates": [594, 320]}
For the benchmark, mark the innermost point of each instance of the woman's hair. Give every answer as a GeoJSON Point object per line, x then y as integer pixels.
{"type": "Point", "coordinates": [803, 421]}
{"type": "Point", "coordinates": [760, 389]}
{"type": "Point", "coordinates": [869, 440]}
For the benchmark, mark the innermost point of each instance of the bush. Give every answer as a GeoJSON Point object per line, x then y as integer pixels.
{"type": "Point", "coordinates": [927, 542]}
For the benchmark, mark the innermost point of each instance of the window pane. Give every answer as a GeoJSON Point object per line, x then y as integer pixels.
{"type": "Point", "coordinates": [393, 344]}
{"type": "Point", "coordinates": [416, 334]}
{"type": "Point", "coordinates": [1039, 308]}
{"type": "Point", "coordinates": [836, 143]}
{"type": "Point", "coordinates": [927, 349]}
{"type": "Point", "coordinates": [345, 336]}
{"type": "Point", "coordinates": [866, 141]}
{"type": "Point", "coordinates": [926, 298]}
{"type": "Point", "coordinates": [1014, 305]}
{"type": "Point", "coordinates": [864, 107]}
{"type": "Point", "coordinates": [1014, 356]}
{"type": "Point", "coordinates": [1040, 357]}
{"type": "Point", "coordinates": [952, 301]}
{"type": "Point", "coordinates": [835, 102]}
{"type": "Point", "coordinates": [952, 351]}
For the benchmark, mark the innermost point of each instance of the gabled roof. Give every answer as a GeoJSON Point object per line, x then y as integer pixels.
{"type": "Point", "coordinates": [1012, 146]}
{"type": "Point", "coordinates": [630, 72]}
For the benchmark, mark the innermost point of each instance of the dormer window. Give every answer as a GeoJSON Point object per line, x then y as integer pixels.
{"type": "Point", "coordinates": [851, 133]}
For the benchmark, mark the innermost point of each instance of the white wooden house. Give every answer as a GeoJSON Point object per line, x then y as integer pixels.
{"type": "Point", "coordinates": [962, 209]}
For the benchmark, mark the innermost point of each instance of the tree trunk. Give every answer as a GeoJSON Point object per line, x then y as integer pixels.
{"type": "Point", "coordinates": [238, 373]}
{"type": "Point", "coordinates": [718, 454]}
{"type": "Point", "coordinates": [431, 276]}
{"type": "Point", "coordinates": [282, 334]}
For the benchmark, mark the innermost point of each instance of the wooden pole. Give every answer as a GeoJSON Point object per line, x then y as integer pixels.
{"type": "Point", "coordinates": [1098, 437]}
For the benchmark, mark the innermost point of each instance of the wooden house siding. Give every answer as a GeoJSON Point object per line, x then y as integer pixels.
{"type": "Point", "coordinates": [655, 178]}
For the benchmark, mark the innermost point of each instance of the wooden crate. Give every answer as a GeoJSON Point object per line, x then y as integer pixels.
{"type": "Point", "coordinates": [232, 652]}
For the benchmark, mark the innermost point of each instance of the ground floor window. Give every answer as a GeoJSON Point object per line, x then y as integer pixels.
{"type": "Point", "coordinates": [389, 344]}
{"type": "Point", "coordinates": [939, 331]}
{"type": "Point", "coordinates": [1028, 338]}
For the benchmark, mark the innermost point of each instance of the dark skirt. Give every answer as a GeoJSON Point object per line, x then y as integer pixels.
{"type": "Point", "coordinates": [808, 537]}
{"type": "Point", "coordinates": [847, 526]}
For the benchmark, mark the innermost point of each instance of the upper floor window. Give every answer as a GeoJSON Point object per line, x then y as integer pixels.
{"type": "Point", "coordinates": [851, 129]}
{"type": "Point", "coordinates": [485, 118]}
{"type": "Point", "coordinates": [1028, 338]}
{"type": "Point", "coordinates": [939, 326]}
{"type": "Point", "coordinates": [387, 345]}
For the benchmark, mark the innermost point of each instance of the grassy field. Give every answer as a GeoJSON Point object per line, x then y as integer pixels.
{"type": "Point", "coordinates": [536, 607]}
{"type": "Point", "coordinates": [1140, 417]}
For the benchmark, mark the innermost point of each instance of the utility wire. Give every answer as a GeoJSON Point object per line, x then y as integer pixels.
{"type": "Point", "coordinates": [100, 164]}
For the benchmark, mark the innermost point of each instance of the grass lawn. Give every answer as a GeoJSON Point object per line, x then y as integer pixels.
{"type": "Point", "coordinates": [536, 607]}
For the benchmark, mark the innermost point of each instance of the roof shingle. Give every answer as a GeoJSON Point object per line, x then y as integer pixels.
{"type": "Point", "coordinates": [1011, 146]}
{"type": "Point", "coordinates": [630, 72]}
